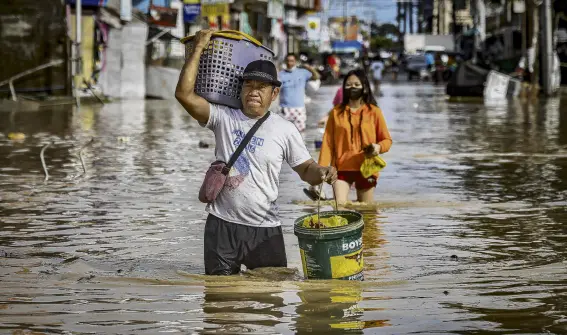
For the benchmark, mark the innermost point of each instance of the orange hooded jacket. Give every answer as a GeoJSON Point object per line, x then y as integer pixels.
{"type": "Point", "coordinates": [347, 133]}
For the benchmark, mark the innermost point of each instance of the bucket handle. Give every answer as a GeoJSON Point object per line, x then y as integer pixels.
{"type": "Point", "coordinates": [230, 34]}
{"type": "Point", "coordinates": [319, 205]}
{"type": "Point", "coordinates": [319, 208]}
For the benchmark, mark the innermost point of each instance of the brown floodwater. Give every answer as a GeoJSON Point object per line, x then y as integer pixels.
{"type": "Point", "coordinates": [468, 234]}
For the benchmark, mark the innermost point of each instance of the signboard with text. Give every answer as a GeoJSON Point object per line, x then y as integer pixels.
{"type": "Point", "coordinates": [163, 16]}
{"type": "Point", "coordinates": [214, 10]}
{"type": "Point", "coordinates": [191, 10]}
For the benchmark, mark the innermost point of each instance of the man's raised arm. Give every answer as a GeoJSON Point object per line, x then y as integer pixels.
{"type": "Point", "coordinates": [195, 105]}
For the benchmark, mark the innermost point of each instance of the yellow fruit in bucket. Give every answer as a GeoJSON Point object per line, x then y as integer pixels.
{"type": "Point", "coordinates": [331, 222]}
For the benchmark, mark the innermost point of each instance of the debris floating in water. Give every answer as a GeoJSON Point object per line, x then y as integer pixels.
{"type": "Point", "coordinates": [43, 161]}
{"type": "Point", "coordinates": [17, 136]}
{"type": "Point", "coordinates": [81, 155]}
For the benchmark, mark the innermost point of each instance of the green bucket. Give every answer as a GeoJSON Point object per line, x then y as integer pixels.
{"type": "Point", "coordinates": [332, 253]}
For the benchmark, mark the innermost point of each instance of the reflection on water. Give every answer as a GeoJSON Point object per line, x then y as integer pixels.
{"type": "Point", "coordinates": [467, 234]}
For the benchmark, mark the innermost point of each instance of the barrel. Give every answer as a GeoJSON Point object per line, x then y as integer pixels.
{"type": "Point", "coordinates": [332, 253]}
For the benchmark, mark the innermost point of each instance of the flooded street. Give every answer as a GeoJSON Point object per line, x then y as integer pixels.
{"type": "Point", "coordinates": [469, 233]}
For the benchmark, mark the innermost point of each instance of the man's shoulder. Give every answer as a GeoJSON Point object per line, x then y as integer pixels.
{"type": "Point", "coordinates": [226, 112]}
{"type": "Point", "coordinates": [283, 126]}
{"type": "Point", "coordinates": [222, 107]}
{"type": "Point", "coordinates": [279, 120]}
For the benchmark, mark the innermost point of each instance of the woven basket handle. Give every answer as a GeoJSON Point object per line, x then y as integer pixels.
{"type": "Point", "coordinates": [230, 34]}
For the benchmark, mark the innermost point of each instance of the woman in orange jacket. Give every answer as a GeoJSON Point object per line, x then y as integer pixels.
{"type": "Point", "coordinates": [356, 128]}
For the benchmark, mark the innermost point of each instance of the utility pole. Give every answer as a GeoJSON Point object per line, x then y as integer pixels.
{"type": "Point", "coordinates": [535, 46]}
{"type": "Point", "coordinates": [548, 47]}
{"type": "Point", "coordinates": [78, 52]}
{"type": "Point", "coordinates": [454, 19]}
{"type": "Point", "coordinates": [479, 25]}
{"type": "Point", "coordinates": [410, 4]}
{"type": "Point", "coordinates": [406, 16]}
{"type": "Point", "coordinates": [345, 20]}
{"type": "Point", "coordinates": [399, 16]}
{"type": "Point", "coordinates": [420, 17]}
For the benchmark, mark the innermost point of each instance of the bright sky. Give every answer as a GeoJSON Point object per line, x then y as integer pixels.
{"type": "Point", "coordinates": [379, 10]}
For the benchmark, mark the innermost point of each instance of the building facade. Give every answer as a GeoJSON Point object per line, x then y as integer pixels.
{"type": "Point", "coordinates": [120, 39]}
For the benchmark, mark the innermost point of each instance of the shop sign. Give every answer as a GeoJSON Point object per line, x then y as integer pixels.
{"type": "Point", "coordinates": [214, 10]}
{"type": "Point", "coordinates": [163, 16]}
{"type": "Point", "coordinates": [191, 10]}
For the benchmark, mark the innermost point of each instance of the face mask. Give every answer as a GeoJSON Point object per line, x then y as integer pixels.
{"type": "Point", "coordinates": [353, 93]}
{"type": "Point", "coordinates": [290, 69]}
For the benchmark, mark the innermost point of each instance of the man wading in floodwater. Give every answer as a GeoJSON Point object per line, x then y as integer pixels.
{"type": "Point", "coordinates": [292, 99]}
{"type": "Point", "coordinates": [243, 226]}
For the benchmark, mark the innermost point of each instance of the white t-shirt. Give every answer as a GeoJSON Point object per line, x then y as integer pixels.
{"type": "Point", "coordinates": [377, 68]}
{"type": "Point", "coordinates": [250, 193]}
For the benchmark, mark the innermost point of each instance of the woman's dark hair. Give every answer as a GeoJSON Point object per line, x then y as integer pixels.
{"type": "Point", "coordinates": [367, 96]}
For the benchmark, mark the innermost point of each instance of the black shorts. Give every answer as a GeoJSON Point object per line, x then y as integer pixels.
{"type": "Point", "coordinates": [229, 245]}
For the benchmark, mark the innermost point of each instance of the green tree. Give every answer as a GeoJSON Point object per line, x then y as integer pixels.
{"type": "Point", "coordinates": [381, 42]}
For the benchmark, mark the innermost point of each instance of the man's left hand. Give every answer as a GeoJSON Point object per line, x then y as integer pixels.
{"type": "Point", "coordinates": [328, 174]}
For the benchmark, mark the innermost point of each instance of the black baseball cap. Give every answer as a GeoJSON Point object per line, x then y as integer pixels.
{"type": "Point", "coordinates": [262, 70]}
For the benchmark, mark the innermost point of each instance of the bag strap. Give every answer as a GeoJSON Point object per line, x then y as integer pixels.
{"type": "Point", "coordinates": [244, 143]}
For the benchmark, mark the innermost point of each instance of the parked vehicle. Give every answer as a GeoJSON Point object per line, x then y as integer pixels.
{"type": "Point", "coordinates": [416, 67]}
{"type": "Point", "coordinates": [349, 53]}
{"type": "Point", "coordinates": [349, 62]}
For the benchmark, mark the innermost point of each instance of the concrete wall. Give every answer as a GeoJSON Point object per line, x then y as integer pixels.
{"type": "Point", "coordinates": [33, 33]}
{"type": "Point", "coordinates": [124, 76]}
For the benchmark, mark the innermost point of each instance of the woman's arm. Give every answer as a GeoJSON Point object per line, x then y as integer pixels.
{"type": "Point", "coordinates": [382, 133]}
{"type": "Point", "coordinates": [326, 156]}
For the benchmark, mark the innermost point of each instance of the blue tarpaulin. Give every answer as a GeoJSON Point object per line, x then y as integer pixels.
{"type": "Point", "coordinates": [338, 45]}
{"type": "Point", "coordinates": [89, 3]}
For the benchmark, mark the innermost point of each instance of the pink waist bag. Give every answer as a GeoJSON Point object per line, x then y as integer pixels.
{"type": "Point", "coordinates": [216, 175]}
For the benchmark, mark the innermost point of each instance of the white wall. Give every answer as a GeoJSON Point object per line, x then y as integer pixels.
{"type": "Point", "coordinates": [124, 75]}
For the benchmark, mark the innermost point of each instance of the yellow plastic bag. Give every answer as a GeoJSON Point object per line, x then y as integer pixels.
{"type": "Point", "coordinates": [372, 165]}
{"type": "Point", "coordinates": [331, 222]}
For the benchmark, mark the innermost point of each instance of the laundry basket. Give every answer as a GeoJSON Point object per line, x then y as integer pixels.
{"type": "Point", "coordinates": [222, 64]}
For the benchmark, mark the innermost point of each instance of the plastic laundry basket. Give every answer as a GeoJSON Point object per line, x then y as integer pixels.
{"type": "Point", "coordinates": [222, 64]}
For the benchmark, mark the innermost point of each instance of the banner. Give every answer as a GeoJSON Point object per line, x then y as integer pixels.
{"type": "Point", "coordinates": [163, 16]}
{"type": "Point", "coordinates": [214, 10]}
{"type": "Point", "coordinates": [313, 28]}
{"type": "Point", "coordinates": [191, 10]}
{"type": "Point", "coordinates": [337, 28]}
{"type": "Point", "coordinates": [211, 2]}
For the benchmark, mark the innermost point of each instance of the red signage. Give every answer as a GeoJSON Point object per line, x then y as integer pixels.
{"type": "Point", "coordinates": [162, 16]}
